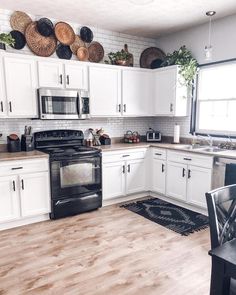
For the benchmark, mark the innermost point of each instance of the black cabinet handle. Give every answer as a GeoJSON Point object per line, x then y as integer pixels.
{"type": "Point", "coordinates": [119, 108]}
{"type": "Point", "coordinates": [124, 156]}
{"type": "Point", "coordinates": [14, 185]}
{"type": "Point", "coordinates": [60, 78]}
{"type": "Point", "coordinates": [189, 173]}
{"type": "Point", "coordinates": [183, 172]}
{"type": "Point", "coordinates": [187, 159]}
{"type": "Point", "coordinates": [129, 168]}
{"type": "Point", "coordinates": [171, 107]}
{"type": "Point", "coordinates": [162, 168]}
{"type": "Point", "coordinates": [10, 107]}
{"type": "Point", "coordinates": [123, 170]}
{"type": "Point", "coordinates": [1, 106]}
{"type": "Point", "coordinates": [22, 184]}
{"type": "Point", "coordinates": [67, 79]}
{"type": "Point", "coordinates": [158, 154]}
{"type": "Point", "coordinates": [16, 168]}
{"type": "Point", "coordinates": [124, 108]}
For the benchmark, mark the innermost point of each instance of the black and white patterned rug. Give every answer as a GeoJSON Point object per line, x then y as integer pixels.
{"type": "Point", "coordinates": [178, 219]}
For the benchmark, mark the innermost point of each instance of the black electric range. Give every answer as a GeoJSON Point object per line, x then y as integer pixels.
{"type": "Point", "coordinates": [75, 172]}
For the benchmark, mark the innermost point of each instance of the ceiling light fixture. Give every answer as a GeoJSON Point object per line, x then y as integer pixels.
{"type": "Point", "coordinates": [141, 2]}
{"type": "Point", "coordinates": [209, 48]}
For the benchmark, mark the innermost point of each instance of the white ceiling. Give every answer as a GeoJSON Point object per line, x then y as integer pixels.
{"type": "Point", "coordinates": [151, 20]}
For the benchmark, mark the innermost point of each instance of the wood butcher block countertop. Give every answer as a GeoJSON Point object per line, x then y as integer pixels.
{"type": "Point", "coordinates": [231, 154]}
{"type": "Point", "coordinates": [5, 156]}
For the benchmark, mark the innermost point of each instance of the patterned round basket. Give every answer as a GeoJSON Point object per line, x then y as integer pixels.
{"type": "Point", "coordinates": [40, 45]}
{"type": "Point", "coordinates": [64, 33]}
{"type": "Point", "coordinates": [96, 52]}
{"type": "Point", "coordinates": [150, 57]}
{"type": "Point", "coordinates": [63, 51]}
{"type": "Point", "coordinates": [82, 54]}
{"type": "Point", "coordinates": [77, 44]}
{"type": "Point", "coordinates": [19, 21]}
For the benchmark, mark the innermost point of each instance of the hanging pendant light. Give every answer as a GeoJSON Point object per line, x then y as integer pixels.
{"type": "Point", "coordinates": [208, 48]}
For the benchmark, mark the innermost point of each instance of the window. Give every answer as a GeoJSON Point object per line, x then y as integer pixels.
{"type": "Point", "coordinates": [216, 99]}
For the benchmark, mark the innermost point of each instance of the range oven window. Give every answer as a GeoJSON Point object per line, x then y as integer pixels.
{"type": "Point", "coordinates": [59, 105]}
{"type": "Point", "coordinates": [79, 173]}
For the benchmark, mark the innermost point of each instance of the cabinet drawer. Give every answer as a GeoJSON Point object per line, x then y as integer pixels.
{"type": "Point", "coordinates": [158, 153]}
{"type": "Point", "coordinates": [25, 166]}
{"type": "Point", "coordinates": [190, 158]}
{"type": "Point", "coordinates": [109, 157]}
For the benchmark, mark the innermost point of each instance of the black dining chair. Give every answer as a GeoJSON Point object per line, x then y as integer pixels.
{"type": "Point", "coordinates": [221, 205]}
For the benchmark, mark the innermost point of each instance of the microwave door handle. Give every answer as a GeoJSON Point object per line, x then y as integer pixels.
{"type": "Point", "coordinates": [79, 105]}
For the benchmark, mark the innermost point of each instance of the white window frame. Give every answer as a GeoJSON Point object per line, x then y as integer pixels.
{"type": "Point", "coordinates": [221, 133]}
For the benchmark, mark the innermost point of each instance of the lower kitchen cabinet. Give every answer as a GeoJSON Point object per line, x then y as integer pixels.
{"type": "Point", "coordinates": [25, 190]}
{"type": "Point", "coordinates": [34, 194]}
{"type": "Point", "coordinates": [159, 176]}
{"type": "Point", "coordinates": [176, 180]}
{"type": "Point", "coordinates": [199, 182]}
{"type": "Point", "coordinates": [113, 178]}
{"type": "Point", "coordinates": [9, 199]}
{"type": "Point", "coordinates": [135, 176]}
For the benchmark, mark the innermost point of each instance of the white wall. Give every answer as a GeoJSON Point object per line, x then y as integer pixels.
{"type": "Point", "coordinates": [224, 47]}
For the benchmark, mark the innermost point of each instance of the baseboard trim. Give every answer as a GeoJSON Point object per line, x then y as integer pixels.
{"type": "Point", "coordinates": [124, 199]}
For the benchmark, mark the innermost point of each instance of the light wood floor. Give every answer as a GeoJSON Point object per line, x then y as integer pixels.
{"type": "Point", "coordinates": [108, 251]}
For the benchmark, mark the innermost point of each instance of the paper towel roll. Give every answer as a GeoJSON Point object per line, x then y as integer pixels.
{"type": "Point", "coordinates": [176, 133]}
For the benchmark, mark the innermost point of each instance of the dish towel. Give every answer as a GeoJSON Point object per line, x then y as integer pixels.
{"type": "Point", "coordinates": [230, 174]}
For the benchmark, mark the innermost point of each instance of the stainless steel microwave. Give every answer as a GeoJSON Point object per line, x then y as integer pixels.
{"type": "Point", "coordinates": [60, 104]}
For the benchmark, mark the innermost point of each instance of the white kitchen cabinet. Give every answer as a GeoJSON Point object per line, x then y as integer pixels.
{"type": "Point", "coordinates": [159, 176]}
{"type": "Point", "coordinates": [34, 194]}
{"type": "Point", "coordinates": [9, 199]}
{"type": "Point", "coordinates": [113, 180]}
{"type": "Point", "coordinates": [176, 180]}
{"type": "Point", "coordinates": [62, 75]}
{"type": "Point", "coordinates": [135, 175]}
{"type": "Point", "coordinates": [76, 76]}
{"type": "Point", "coordinates": [170, 96]}
{"type": "Point", "coordinates": [3, 101]}
{"type": "Point", "coordinates": [199, 182]}
{"type": "Point", "coordinates": [105, 91]}
{"type": "Point", "coordinates": [21, 87]}
{"type": "Point", "coordinates": [50, 74]}
{"type": "Point", "coordinates": [137, 92]}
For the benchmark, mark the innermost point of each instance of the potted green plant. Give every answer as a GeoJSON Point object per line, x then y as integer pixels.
{"type": "Point", "coordinates": [188, 64]}
{"type": "Point", "coordinates": [119, 58]}
{"type": "Point", "coordinates": [6, 39]}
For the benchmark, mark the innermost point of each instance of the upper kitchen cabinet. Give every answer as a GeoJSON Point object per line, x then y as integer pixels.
{"type": "Point", "coordinates": [3, 101]}
{"type": "Point", "coordinates": [21, 86]}
{"type": "Point", "coordinates": [71, 75]}
{"type": "Point", "coordinates": [137, 92]}
{"type": "Point", "coordinates": [105, 91]}
{"type": "Point", "coordinates": [170, 96]}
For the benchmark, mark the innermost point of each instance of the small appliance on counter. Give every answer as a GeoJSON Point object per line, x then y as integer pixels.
{"type": "Point", "coordinates": [131, 137]}
{"type": "Point", "coordinates": [105, 139]}
{"type": "Point", "coordinates": [27, 140]}
{"type": "Point", "coordinates": [153, 136]}
{"type": "Point", "coordinates": [13, 143]}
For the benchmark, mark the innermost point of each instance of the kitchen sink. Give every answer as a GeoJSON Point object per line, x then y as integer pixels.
{"type": "Point", "coordinates": [193, 147]}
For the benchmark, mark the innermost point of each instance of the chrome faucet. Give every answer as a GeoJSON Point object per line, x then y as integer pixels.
{"type": "Point", "coordinates": [209, 140]}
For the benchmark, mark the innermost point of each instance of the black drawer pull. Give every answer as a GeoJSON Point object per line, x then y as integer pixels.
{"type": "Point", "coordinates": [125, 156]}
{"type": "Point", "coordinates": [187, 159]}
{"type": "Point", "coordinates": [158, 154]}
{"type": "Point", "coordinates": [16, 168]}
{"type": "Point", "coordinates": [183, 172]}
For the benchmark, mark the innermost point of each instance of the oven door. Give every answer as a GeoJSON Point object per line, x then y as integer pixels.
{"type": "Point", "coordinates": [58, 104]}
{"type": "Point", "coordinates": [75, 177]}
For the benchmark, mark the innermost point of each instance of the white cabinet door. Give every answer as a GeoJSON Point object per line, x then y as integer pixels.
{"type": "Point", "coordinates": [3, 102]}
{"type": "Point", "coordinates": [50, 74]}
{"type": "Point", "coordinates": [176, 183]}
{"type": "Point", "coordinates": [105, 91]}
{"type": "Point", "coordinates": [165, 89]}
{"type": "Point", "coordinates": [34, 193]}
{"type": "Point", "coordinates": [113, 180]}
{"type": "Point", "coordinates": [159, 176]}
{"type": "Point", "coordinates": [21, 87]}
{"type": "Point", "coordinates": [137, 92]}
{"type": "Point", "coordinates": [199, 182]}
{"type": "Point", "coordinates": [135, 176]}
{"type": "Point", "coordinates": [76, 76]}
{"type": "Point", "coordinates": [9, 199]}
